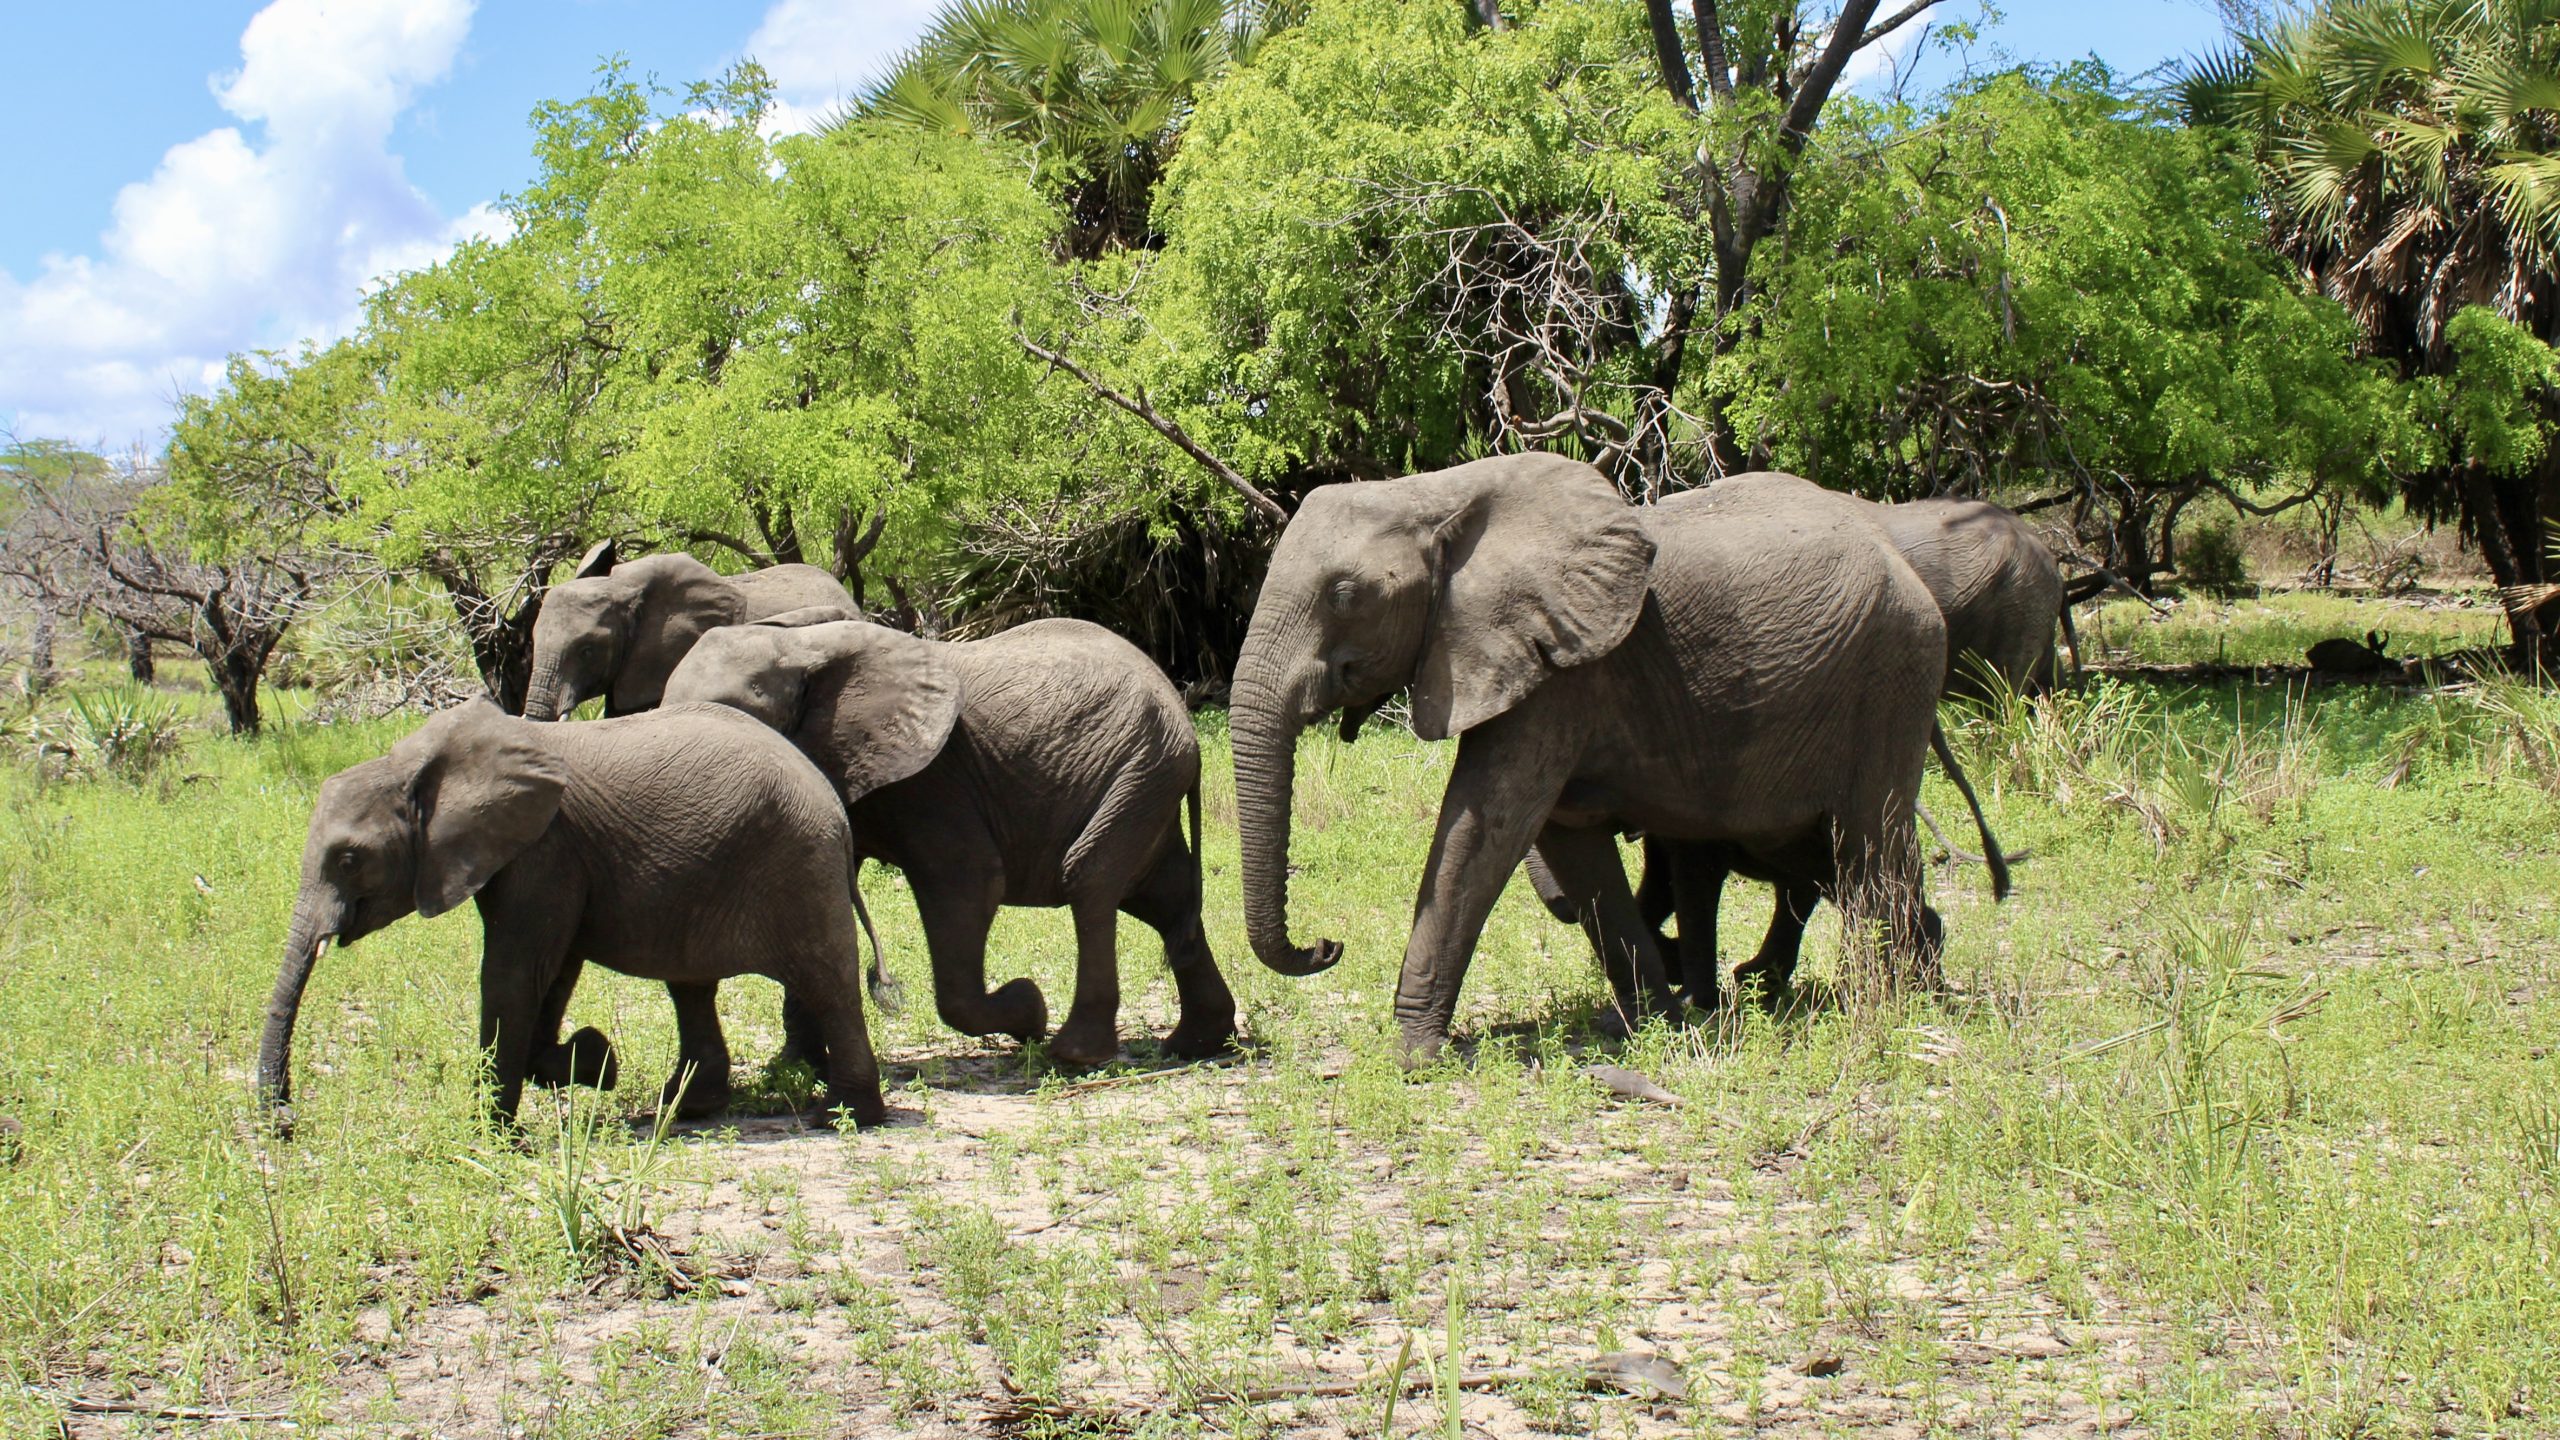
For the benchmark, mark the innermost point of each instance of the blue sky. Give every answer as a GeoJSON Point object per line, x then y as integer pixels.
{"type": "Point", "coordinates": [190, 178]}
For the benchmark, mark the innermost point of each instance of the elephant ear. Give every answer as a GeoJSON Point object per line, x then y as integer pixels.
{"type": "Point", "coordinates": [680, 600]}
{"type": "Point", "coordinates": [885, 702]}
{"type": "Point", "coordinates": [599, 561]}
{"type": "Point", "coordinates": [1541, 567]}
{"type": "Point", "coordinates": [808, 615]}
{"type": "Point", "coordinates": [487, 785]}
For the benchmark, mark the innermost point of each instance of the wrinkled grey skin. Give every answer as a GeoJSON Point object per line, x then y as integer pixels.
{"type": "Point", "coordinates": [687, 845]}
{"type": "Point", "coordinates": [2000, 591]}
{"type": "Point", "coordinates": [619, 629]}
{"type": "Point", "coordinates": [1605, 669]}
{"type": "Point", "coordinates": [1044, 766]}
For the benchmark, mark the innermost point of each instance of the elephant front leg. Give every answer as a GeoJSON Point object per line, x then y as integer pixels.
{"type": "Point", "coordinates": [700, 1085]}
{"type": "Point", "coordinates": [1586, 868]}
{"type": "Point", "coordinates": [1169, 904]}
{"type": "Point", "coordinates": [1498, 796]}
{"type": "Point", "coordinates": [956, 919]}
{"type": "Point", "coordinates": [586, 1058]}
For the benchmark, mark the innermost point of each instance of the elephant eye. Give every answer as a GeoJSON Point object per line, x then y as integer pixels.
{"type": "Point", "coordinates": [1343, 594]}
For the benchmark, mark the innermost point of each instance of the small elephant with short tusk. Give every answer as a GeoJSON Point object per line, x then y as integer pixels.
{"type": "Point", "coordinates": [687, 845]}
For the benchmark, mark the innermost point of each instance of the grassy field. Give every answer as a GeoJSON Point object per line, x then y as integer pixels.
{"type": "Point", "coordinates": [2241, 1119]}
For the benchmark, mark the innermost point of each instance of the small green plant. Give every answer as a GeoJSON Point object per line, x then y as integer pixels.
{"type": "Point", "coordinates": [123, 733]}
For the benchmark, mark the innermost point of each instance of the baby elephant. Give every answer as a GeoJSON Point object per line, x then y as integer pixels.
{"type": "Point", "coordinates": [1043, 766]}
{"type": "Point", "coordinates": [686, 845]}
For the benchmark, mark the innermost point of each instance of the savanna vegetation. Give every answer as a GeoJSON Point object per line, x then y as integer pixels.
{"type": "Point", "coordinates": [2240, 1118]}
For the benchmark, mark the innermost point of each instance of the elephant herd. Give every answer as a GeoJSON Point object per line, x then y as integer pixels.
{"type": "Point", "coordinates": [1747, 674]}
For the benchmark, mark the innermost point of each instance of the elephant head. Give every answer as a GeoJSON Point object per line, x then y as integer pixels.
{"type": "Point", "coordinates": [618, 630]}
{"type": "Point", "coordinates": [870, 705]}
{"type": "Point", "coordinates": [420, 829]}
{"type": "Point", "coordinates": [1467, 586]}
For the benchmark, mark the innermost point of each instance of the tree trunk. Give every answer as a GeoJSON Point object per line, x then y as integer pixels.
{"type": "Point", "coordinates": [40, 673]}
{"type": "Point", "coordinates": [235, 674]}
{"type": "Point", "coordinates": [137, 657]}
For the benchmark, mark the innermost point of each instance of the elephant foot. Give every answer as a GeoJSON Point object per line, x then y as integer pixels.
{"type": "Point", "coordinates": [1085, 1041]}
{"type": "Point", "coordinates": [1775, 992]}
{"type": "Point", "coordinates": [1198, 1037]}
{"type": "Point", "coordinates": [708, 1095]}
{"type": "Point", "coordinates": [1420, 1049]}
{"type": "Point", "coordinates": [869, 1110]}
{"type": "Point", "coordinates": [1017, 1009]}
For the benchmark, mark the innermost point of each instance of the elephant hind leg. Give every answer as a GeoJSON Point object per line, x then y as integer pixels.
{"type": "Point", "coordinates": [1091, 1034]}
{"type": "Point", "coordinates": [700, 1085]}
{"type": "Point", "coordinates": [1886, 925]}
{"type": "Point", "coordinates": [1168, 902]}
{"type": "Point", "coordinates": [1586, 867]}
{"type": "Point", "coordinates": [1773, 969]}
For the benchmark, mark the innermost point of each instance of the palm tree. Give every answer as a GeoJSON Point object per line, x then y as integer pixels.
{"type": "Point", "coordinates": [1095, 90]}
{"type": "Point", "coordinates": [2412, 150]}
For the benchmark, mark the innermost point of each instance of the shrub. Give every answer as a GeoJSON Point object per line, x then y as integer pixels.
{"type": "Point", "coordinates": [2210, 559]}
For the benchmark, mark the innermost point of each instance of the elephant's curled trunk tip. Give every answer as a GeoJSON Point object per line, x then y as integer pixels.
{"type": "Point", "coordinates": [1299, 961]}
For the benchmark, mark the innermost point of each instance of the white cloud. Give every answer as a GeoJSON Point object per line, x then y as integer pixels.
{"type": "Point", "coordinates": [820, 53]}
{"type": "Point", "coordinates": [236, 242]}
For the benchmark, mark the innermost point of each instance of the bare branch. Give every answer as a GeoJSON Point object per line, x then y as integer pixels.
{"type": "Point", "coordinates": [1163, 425]}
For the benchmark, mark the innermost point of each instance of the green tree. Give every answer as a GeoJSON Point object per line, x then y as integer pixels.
{"type": "Point", "coordinates": [2412, 154]}
{"type": "Point", "coordinates": [2044, 290]}
{"type": "Point", "coordinates": [1094, 92]}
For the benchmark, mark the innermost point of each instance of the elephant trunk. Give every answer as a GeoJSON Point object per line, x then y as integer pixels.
{"type": "Point", "coordinates": [1264, 724]}
{"type": "Point", "coordinates": [542, 693]}
{"type": "Point", "coordinates": [305, 937]}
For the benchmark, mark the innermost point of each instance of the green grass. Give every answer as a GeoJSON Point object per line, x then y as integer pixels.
{"type": "Point", "coordinates": [2243, 1120]}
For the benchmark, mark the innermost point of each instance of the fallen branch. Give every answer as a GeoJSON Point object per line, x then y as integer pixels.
{"type": "Point", "coordinates": [1163, 425]}
{"type": "Point", "coordinates": [149, 1410]}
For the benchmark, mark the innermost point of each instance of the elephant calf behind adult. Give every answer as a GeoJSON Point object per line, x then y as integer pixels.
{"type": "Point", "coordinates": [1044, 766]}
{"type": "Point", "coordinates": [620, 629]}
{"type": "Point", "coordinates": [1760, 677]}
{"type": "Point", "coordinates": [687, 845]}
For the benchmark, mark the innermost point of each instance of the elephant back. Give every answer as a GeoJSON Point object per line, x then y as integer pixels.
{"type": "Point", "coordinates": [1994, 580]}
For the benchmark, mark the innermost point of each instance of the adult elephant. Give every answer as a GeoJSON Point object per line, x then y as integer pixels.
{"type": "Point", "coordinates": [619, 629]}
{"type": "Point", "coordinates": [1754, 666]}
{"type": "Point", "coordinates": [2000, 591]}
{"type": "Point", "coordinates": [1044, 766]}
{"type": "Point", "coordinates": [688, 846]}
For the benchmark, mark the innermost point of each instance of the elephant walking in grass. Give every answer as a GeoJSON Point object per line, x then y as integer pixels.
{"type": "Point", "coordinates": [1753, 667]}
{"type": "Point", "coordinates": [619, 629]}
{"type": "Point", "coordinates": [2000, 591]}
{"type": "Point", "coordinates": [687, 845]}
{"type": "Point", "coordinates": [1047, 765]}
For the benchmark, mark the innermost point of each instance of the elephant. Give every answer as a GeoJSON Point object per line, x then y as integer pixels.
{"type": "Point", "coordinates": [618, 629]}
{"type": "Point", "coordinates": [1754, 667]}
{"type": "Point", "coordinates": [2000, 591]}
{"type": "Point", "coordinates": [686, 845]}
{"type": "Point", "coordinates": [1043, 766]}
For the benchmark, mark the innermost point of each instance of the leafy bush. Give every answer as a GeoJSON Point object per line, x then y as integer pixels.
{"type": "Point", "coordinates": [2210, 559]}
{"type": "Point", "coordinates": [123, 733]}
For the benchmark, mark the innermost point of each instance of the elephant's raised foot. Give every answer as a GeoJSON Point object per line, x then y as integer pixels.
{"type": "Point", "coordinates": [1420, 1049]}
{"type": "Point", "coordinates": [585, 1058]}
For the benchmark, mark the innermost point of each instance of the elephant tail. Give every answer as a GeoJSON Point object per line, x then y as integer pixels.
{"type": "Point", "coordinates": [2071, 636]}
{"type": "Point", "coordinates": [884, 991]}
{"type": "Point", "coordinates": [1991, 855]}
